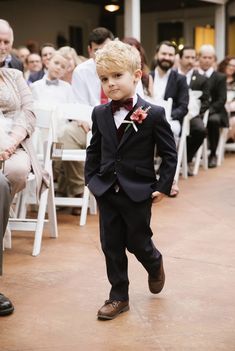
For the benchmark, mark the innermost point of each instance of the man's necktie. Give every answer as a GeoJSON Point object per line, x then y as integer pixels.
{"type": "Point", "coordinates": [127, 104]}
{"type": "Point", "coordinates": [52, 82]}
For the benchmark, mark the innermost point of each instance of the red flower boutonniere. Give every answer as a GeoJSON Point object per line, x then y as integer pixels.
{"type": "Point", "coordinates": [138, 116]}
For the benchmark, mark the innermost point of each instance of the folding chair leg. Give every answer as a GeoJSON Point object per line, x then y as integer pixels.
{"type": "Point", "coordinates": [52, 212]}
{"type": "Point", "coordinates": [92, 205]}
{"type": "Point", "coordinates": [84, 206]}
{"type": "Point", "coordinates": [40, 223]}
{"type": "Point", "coordinates": [197, 160]}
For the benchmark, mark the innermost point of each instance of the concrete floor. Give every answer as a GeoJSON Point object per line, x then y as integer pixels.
{"type": "Point", "coordinates": [57, 294]}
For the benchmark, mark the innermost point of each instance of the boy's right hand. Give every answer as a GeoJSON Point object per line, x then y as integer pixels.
{"type": "Point", "coordinates": [157, 196]}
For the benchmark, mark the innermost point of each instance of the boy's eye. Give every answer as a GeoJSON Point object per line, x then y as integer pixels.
{"type": "Point", "coordinates": [103, 80]}
{"type": "Point", "coordinates": [118, 75]}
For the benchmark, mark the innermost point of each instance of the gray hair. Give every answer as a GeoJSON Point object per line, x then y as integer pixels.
{"type": "Point", "coordinates": [5, 26]}
{"type": "Point", "coordinates": [207, 48]}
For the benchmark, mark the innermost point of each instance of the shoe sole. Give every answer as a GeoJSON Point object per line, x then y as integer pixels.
{"type": "Point", "coordinates": [105, 317]}
{"type": "Point", "coordinates": [7, 312]}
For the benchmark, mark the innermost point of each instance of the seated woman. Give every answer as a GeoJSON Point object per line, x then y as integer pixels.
{"type": "Point", "coordinates": [227, 66]}
{"type": "Point", "coordinates": [17, 156]}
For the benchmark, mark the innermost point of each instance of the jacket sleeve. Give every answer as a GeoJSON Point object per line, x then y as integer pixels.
{"type": "Point", "coordinates": [205, 97]}
{"type": "Point", "coordinates": [221, 91]}
{"type": "Point", "coordinates": [24, 119]}
{"type": "Point", "coordinates": [166, 149]}
{"type": "Point", "coordinates": [93, 154]}
{"type": "Point", "coordinates": [180, 102]}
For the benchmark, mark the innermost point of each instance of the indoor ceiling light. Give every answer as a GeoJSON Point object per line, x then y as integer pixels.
{"type": "Point", "coordinates": [112, 7]}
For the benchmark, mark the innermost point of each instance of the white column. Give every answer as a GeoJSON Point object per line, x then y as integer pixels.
{"type": "Point", "coordinates": [132, 19]}
{"type": "Point", "coordinates": [220, 31]}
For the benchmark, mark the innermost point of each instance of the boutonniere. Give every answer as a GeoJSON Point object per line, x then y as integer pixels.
{"type": "Point", "coordinates": [138, 116]}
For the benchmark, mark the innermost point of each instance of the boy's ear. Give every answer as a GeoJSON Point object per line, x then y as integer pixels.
{"type": "Point", "coordinates": [138, 75]}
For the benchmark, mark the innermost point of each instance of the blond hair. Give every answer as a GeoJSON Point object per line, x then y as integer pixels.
{"type": "Point", "coordinates": [118, 55]}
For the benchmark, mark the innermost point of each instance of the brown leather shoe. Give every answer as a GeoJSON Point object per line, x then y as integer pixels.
{"type": "Point", "coordinates": [156, 283]}
{"type": "Point", "coordinates": [112, 309]}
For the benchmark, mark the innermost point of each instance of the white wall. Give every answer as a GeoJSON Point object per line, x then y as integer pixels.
{"type": "Point", "coordinates": [42, 20]}
{"type": "Point", "coordinates": [149, 24]}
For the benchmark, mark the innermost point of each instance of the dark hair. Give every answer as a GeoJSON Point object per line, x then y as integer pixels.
{"type": "Point", "coordinates": [186, 47]}
{"type": "Point", "coordinates": [46, 45]}
{"type": "Point", "coordinates": [224, 63]}
{"type": "Point", "coordinates": [144, 67]}
{"type": "Point", "coordinates": [99, 35]}
{"type": "Point", "coordinates": [167, 43]}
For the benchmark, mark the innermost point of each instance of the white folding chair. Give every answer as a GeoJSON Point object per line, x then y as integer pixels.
{"type": "Point", "coordinates": [43, 133]}
{"type": "Point", "coordinates": [202, 153]}
{"type": "Point", "coordinates": [182, 163]}
{"type": "Point", "coordinates": [76, 112]}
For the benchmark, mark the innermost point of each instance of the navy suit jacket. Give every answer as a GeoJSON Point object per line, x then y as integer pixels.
{"type": "Point", "coordinates": [130, 161]}
{"type": "Point", "coordinates": [33, 77]}
{"type": "Point", "coordinates": [16, 63]}
{"type": "Point", "coordinates": [199, 82]}
{"type": "Point", "coordinates": [177, 89]}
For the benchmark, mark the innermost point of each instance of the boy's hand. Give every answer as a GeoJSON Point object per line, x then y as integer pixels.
{"type": "Point", "coordinates": [157, 196]}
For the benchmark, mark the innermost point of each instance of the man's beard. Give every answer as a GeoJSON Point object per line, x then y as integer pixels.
{"type": "Point", "coordinates": [164, 64]}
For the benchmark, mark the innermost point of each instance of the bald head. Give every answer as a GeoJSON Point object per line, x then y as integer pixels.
{"type": "Point", "coordinates": [6, 39]}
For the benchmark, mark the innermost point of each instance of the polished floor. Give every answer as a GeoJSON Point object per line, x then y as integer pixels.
{"type": "Point", "coordinates": [57, 294]}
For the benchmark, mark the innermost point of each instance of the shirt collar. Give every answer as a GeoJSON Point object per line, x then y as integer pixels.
{"type": "Point", "coordinates": [207, 73]}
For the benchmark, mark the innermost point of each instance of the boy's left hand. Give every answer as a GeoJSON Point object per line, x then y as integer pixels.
{"type": "Point", "coordinates": [157, 196]}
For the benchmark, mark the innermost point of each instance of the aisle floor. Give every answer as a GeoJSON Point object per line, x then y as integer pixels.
{"type": "Point", "coordinates": [57, 294]}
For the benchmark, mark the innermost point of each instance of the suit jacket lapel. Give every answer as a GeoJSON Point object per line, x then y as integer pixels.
{"type": "Point", "coordinates": [169, 85]}
{"type": "Point", "coordinates": [110, 125]}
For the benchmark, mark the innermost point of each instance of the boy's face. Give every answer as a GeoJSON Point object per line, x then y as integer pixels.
{"type": "Point", "coordinates": [57, 67]}
{"type": "Point", "coordinates": [119, 84]}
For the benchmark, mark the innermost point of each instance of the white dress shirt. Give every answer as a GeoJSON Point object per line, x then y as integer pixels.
{"type": "Point", "coordinates": [52, 94]}
{"type": "Point", "coordinates": [207, 73]}
{"type": "Point", "coordinates": [159, 85]}
{"type": "Point", "coordinates": [120, 115]}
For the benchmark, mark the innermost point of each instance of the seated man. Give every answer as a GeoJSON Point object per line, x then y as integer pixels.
{"type": "Point", "coordinates": [198, 83]}
{"type": "Point", "coordinates": [167, 83]}
{"type": "Point", "coordinates": [218, 116]}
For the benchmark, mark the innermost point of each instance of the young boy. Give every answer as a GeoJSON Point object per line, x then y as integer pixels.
{"type": "Point", "coordinates": [119, 171]}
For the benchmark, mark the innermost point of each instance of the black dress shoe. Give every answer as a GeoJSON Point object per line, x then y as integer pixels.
{"type": "Point", "coordinates": [212, 161]}
{"type": "Point", "coordinates": [112, 309]}
{"type": "Point", "coordinates": [156, 284]}
{"type": "Point", "coordinates": [6, 306]}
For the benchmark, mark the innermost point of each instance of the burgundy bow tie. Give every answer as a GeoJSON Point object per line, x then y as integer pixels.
{"type": "Point", "coordinates": [127, 104]}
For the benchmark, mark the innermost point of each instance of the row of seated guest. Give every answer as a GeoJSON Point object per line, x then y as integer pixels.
{"type": "Point", "coordinates": [163, 82]}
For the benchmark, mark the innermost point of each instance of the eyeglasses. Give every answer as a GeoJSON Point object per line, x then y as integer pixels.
{"type": "Point", "coordinates": [231, 66]}
{"type": "Point", "coordinates": [36, 61]}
